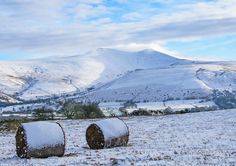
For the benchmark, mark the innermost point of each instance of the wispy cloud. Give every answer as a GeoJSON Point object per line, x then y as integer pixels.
{"type": "Point", "coordinates": [75, 26]}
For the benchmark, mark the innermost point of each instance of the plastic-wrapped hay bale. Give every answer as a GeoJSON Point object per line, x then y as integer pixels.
{"type": "Point", "coordinates": [107, 133]}
{"type": "Point", "coordinates": [40, 140]}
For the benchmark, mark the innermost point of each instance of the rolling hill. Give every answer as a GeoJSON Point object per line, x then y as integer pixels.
{"type": "Point", "coordinates": [110, 75]}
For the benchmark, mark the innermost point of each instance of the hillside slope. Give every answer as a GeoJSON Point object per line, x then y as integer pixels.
{"type": "Point", "coordinates": [176, 82]}
{"type": "Point", "coordinates": [111, 75]}
{"type": "Point", "coordinates": [51, 76]}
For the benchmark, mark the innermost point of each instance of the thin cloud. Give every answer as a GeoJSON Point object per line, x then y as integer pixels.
{"type": "Point", "coordinates": [76, 26]}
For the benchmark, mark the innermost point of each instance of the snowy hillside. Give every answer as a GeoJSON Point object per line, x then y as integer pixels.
{"type": "Point", "coordinates": [6, 98]}
{"type": "Point", "coordinates": [193, 81]}
{"type": "Point", "coordinates": [46, 77]}
{"type": "Point", "coordinates": [110, 75]}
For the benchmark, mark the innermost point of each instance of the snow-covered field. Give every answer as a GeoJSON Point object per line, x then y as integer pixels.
{"type": "Point", "coordinates": [206, 138]}
{"type": "Point", "coordinates": [112, 108]}
{"type": "Point", "coordinates": [188, 104]}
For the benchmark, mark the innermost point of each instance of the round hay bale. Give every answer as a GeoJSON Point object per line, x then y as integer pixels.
{"type": "Point", "coordinates": [107, 133]}
{"type": "Point", "coordinates": [40, 140]}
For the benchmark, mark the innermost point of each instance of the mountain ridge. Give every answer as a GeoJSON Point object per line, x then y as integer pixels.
{"type": "Point", "coordinates": [33, 79]}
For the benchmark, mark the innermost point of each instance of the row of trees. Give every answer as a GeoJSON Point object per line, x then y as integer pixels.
{"type": "Point", "coordinates": [73, 110]}
{"type": "Point", "coordinates": [70, 110]}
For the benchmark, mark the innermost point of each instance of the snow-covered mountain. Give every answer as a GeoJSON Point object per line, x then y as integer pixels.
{"type": "Point", "coordinates": [189, 81]}
{"type": "Point", "coordinates": [107, 74]}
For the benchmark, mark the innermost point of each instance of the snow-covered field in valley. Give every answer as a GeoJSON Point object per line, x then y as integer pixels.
{"type": "Point", "coordinates": [206, 138]}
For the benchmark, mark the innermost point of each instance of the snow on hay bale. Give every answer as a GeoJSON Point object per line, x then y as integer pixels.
{"type": "Point", "coordinates": [40, 140]}
{"type": "Point", "coordinates": [107, 133]}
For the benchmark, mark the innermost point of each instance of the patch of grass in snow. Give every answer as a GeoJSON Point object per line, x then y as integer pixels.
{"type": "Point", "coordinates": [11, 125]}
{"type": "Point", "coordinates": [71, 155]}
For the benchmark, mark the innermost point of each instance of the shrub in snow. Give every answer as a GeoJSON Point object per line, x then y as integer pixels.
{"type": "Point", "coordinates": [40, 140]}
{"type": "Point", "coordinates": [11, 124]}
{"type": "Point", "coordinates": [168, 110]}
{"type": "Point", "coordinates": [43, 114]}
{"type": "Point", "coordinates": [123, 111]}
{"type": "Point", "coordinates": [107, 133]}
{"type": "Point", "coordinates": [140, 112]}
{"type": "Point", "coordinates": [81, 111]}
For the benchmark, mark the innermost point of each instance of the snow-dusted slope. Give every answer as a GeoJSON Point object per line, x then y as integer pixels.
{"type": "Point", "coordinates": [54, 76]}
{"type": "Point", "coordinates": [47, 77]}
{"type": "Point", "coordinates": [110, 75]}
{"type": "Point", "coordinates": [7, 99]}
{"type": "Point", "coordinates": [176, 82]}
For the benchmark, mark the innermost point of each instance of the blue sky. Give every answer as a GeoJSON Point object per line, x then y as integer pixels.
{"type": "Point", "coordinates": [202, 29]}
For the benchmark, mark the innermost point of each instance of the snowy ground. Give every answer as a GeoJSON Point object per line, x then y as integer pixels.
{"type": "Point", "coordinates": [206, 138]}
{"type": "Point", "coordinates": [110, 108]}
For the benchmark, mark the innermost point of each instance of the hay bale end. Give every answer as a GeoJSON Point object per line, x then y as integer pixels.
{"type": "Point", "coordinates": [40, 140]}
{"type": "Point", "coordinates": [107, 133]}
